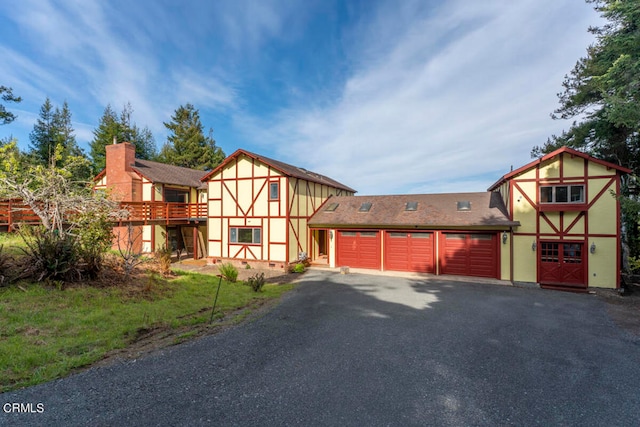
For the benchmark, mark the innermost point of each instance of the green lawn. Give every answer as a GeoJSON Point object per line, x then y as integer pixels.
{"type": "Point", "coordinates": [46, 332]}
{"type": "Point", "coordinates": [11, 243]}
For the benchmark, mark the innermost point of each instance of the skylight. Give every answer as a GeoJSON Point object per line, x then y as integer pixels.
{"type": "Point", "coordinates": [365, 207]}
{"type": "Point", "coordinates": [411, 206]}
{"type": "Point", "coordinates": [332, 207]}
{"type": "Point", "coordinates": [464, 205]}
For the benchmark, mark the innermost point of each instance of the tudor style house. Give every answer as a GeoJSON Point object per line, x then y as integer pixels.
{"type": "Point", "coordinates": [167, 203]}
{"type": "Point", "coordinates": [569, 232]}
{"type": "Point", "coordinates": [554, 221]}
{"type": "Point", "coordinates": [258, 210]}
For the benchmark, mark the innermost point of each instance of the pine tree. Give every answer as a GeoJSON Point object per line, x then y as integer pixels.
{"type": "Point", "coordinates": [53, 128]}
{"type": "Point", "coordinates": [120, 129]}
{"type": "Point", "coordinates": [187, 145]}
{"type": "Point", "coordinates": [42, 137]}
{"type": "Point", "coordinates": [6, 93]}
{"type": "Point", "coordinates": [603, 93]}
{"type": "Point", "coordinates": [53, 142]}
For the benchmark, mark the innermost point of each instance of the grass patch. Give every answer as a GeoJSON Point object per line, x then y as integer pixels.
{"type": "Point", "coordinates": [12, 243]}
{"type": "Point", "coordinates": [45, 333]}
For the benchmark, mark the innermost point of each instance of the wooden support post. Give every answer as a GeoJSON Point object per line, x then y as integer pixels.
{"type": "Point", "coordinates": [195, 242]}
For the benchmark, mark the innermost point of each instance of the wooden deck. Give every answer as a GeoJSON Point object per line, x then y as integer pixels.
{"type": "Point", "coordinates": [13, 212]}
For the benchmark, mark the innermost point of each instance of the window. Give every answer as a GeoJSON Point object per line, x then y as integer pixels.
{"type": "Point", "coordinates": [274, 191]}
{"type": "Point", "coordinates": [365, 207]}
{"type": "Point", "coordinates": [332, 207]}
{"type": "Point", "coordinates": [368, 234]}
{"type": "Point", "coordinates": [411, 206]}
{"type": "Point", "coordinates": [562, 194]}
{"type": "Point", "coordinates": [398, 235]}
{"type": "Point", "coordinates": [572, 253]}
{"type": "Point", "coordinates": [464, 205]}
{"type": "Point", "coordinates": [176, 195]}
{"type": "Point", "coordinates": [245, 235]}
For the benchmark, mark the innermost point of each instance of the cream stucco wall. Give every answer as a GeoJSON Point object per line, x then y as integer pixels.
{"type": "Point", "coordinates": [239, 195]}
{"type": "Point", "coordinates": [597, 225]}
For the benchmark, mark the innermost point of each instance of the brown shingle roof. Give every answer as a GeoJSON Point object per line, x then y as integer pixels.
{"type": "Point", "coordinates": [169, 174]}
{"type": "Point", "coordinates": [433, 210]}
{"type": "Point", "coordinates": [286, 169]}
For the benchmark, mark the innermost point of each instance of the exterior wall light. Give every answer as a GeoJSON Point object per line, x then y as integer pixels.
{"type": "Point", "coordinates": [534, 245]}
{"type": "Point", "coordinates": [504, 237]}
{"type": "Point", "coordinates": [592, 249]}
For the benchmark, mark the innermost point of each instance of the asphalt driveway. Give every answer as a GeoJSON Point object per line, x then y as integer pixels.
{"type": "Point", "coordinates": [373, 350]}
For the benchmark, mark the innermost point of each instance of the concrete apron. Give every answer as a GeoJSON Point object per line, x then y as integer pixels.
{"type": "Point", "coordinates": [411, 275]}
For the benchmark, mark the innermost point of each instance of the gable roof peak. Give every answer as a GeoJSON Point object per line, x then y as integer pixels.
{"type": "Point", "coordinates": [284, 168]}
{"type": "Point", "coordinates": [546, 157]}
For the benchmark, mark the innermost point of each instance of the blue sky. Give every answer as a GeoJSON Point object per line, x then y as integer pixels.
{"type": "Point", "coordinates": [387, 97]}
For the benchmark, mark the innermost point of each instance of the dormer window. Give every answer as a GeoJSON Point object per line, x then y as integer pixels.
{"type": "Point", "coordinates": [365, 207]}
{"type": "Point", "coordinates": [411, 206]}
{"type": "Point", "coordinates": [464, 205]}
{"type": "Point", "coordinates": [562, 193]}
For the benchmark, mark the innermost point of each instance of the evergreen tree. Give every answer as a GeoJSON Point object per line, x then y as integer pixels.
{"type": "Point", "coordinates": [53, 140]}
{"type": "Point", "coordinates": [603, 90]}
{"type": "Point", "coordinates": [6, 93]}
{"type": "Point", "coordinates": [120, 129]}
{"type": "Point", "coordinates": [43, 137]}
{"type": "Point", "coordinates": [603, 93]}
{"type": "Point", "coordinates": [187, 144]}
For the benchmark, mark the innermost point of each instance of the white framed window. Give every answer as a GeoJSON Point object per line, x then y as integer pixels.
{"type": "Point", "coordinates": [248, 235]}
{"type": "Point", "coordinates": [274, 190]}
{"type": "Point", "coordinates": [562, 193]}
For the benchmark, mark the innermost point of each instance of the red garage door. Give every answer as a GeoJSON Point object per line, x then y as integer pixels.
{"type": "Point", "coordinates": [409, 252]}
{"type": "Point", "coordinates": [359, 249]}
{"type": "Point", "coordinates": [467, 254]}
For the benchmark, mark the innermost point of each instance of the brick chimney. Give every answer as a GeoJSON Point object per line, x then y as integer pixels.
{"type": "Point", "coordinates": [120, 176]}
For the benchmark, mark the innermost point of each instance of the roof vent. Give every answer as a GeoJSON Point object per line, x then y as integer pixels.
{"type": "Point", "coordinates": [464, 205]}
{"type": "Point", "coordinates": [365, 207]}
{"type": "Point", "coordinates": [332, 207]}
{"type": "Point", "coordinates": [411, 206]}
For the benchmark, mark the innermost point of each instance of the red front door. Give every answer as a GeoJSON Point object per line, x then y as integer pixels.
{"type": "Point", "coordinates": [562, 263]}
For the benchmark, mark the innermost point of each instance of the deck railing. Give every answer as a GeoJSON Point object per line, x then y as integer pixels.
{"type": "Point", "coordinates": [155, 211]}
{"type": "Point", "coordinates": [14, 212]}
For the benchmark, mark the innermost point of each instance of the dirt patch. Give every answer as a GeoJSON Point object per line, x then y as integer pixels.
{"type": "Point", "coordinates": [624, 310]}
{"type": "Point", "coordinates": [274, 276]}
{"type": "Point", "coordinates": [149, 340]}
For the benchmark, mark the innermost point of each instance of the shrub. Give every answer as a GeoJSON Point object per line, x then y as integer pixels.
{"type": "Point", "coordinates": [256, 282]}
{"type": "Point", "coordinates": [229, 272]}
{"type": "Point", "coordinates": [163, 256]}
{"type": "Point", "coordinates": [52, 256]}
{"type": "Point", "coordinates": [93, 239]}
{"type": "Point", "coordinates": [298, 268]}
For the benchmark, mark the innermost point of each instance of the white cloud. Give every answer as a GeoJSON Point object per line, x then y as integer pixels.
{"type": "Point", "coordinates": [462, 90]}
{"type": "Point", "coordinates": [96, 55]}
